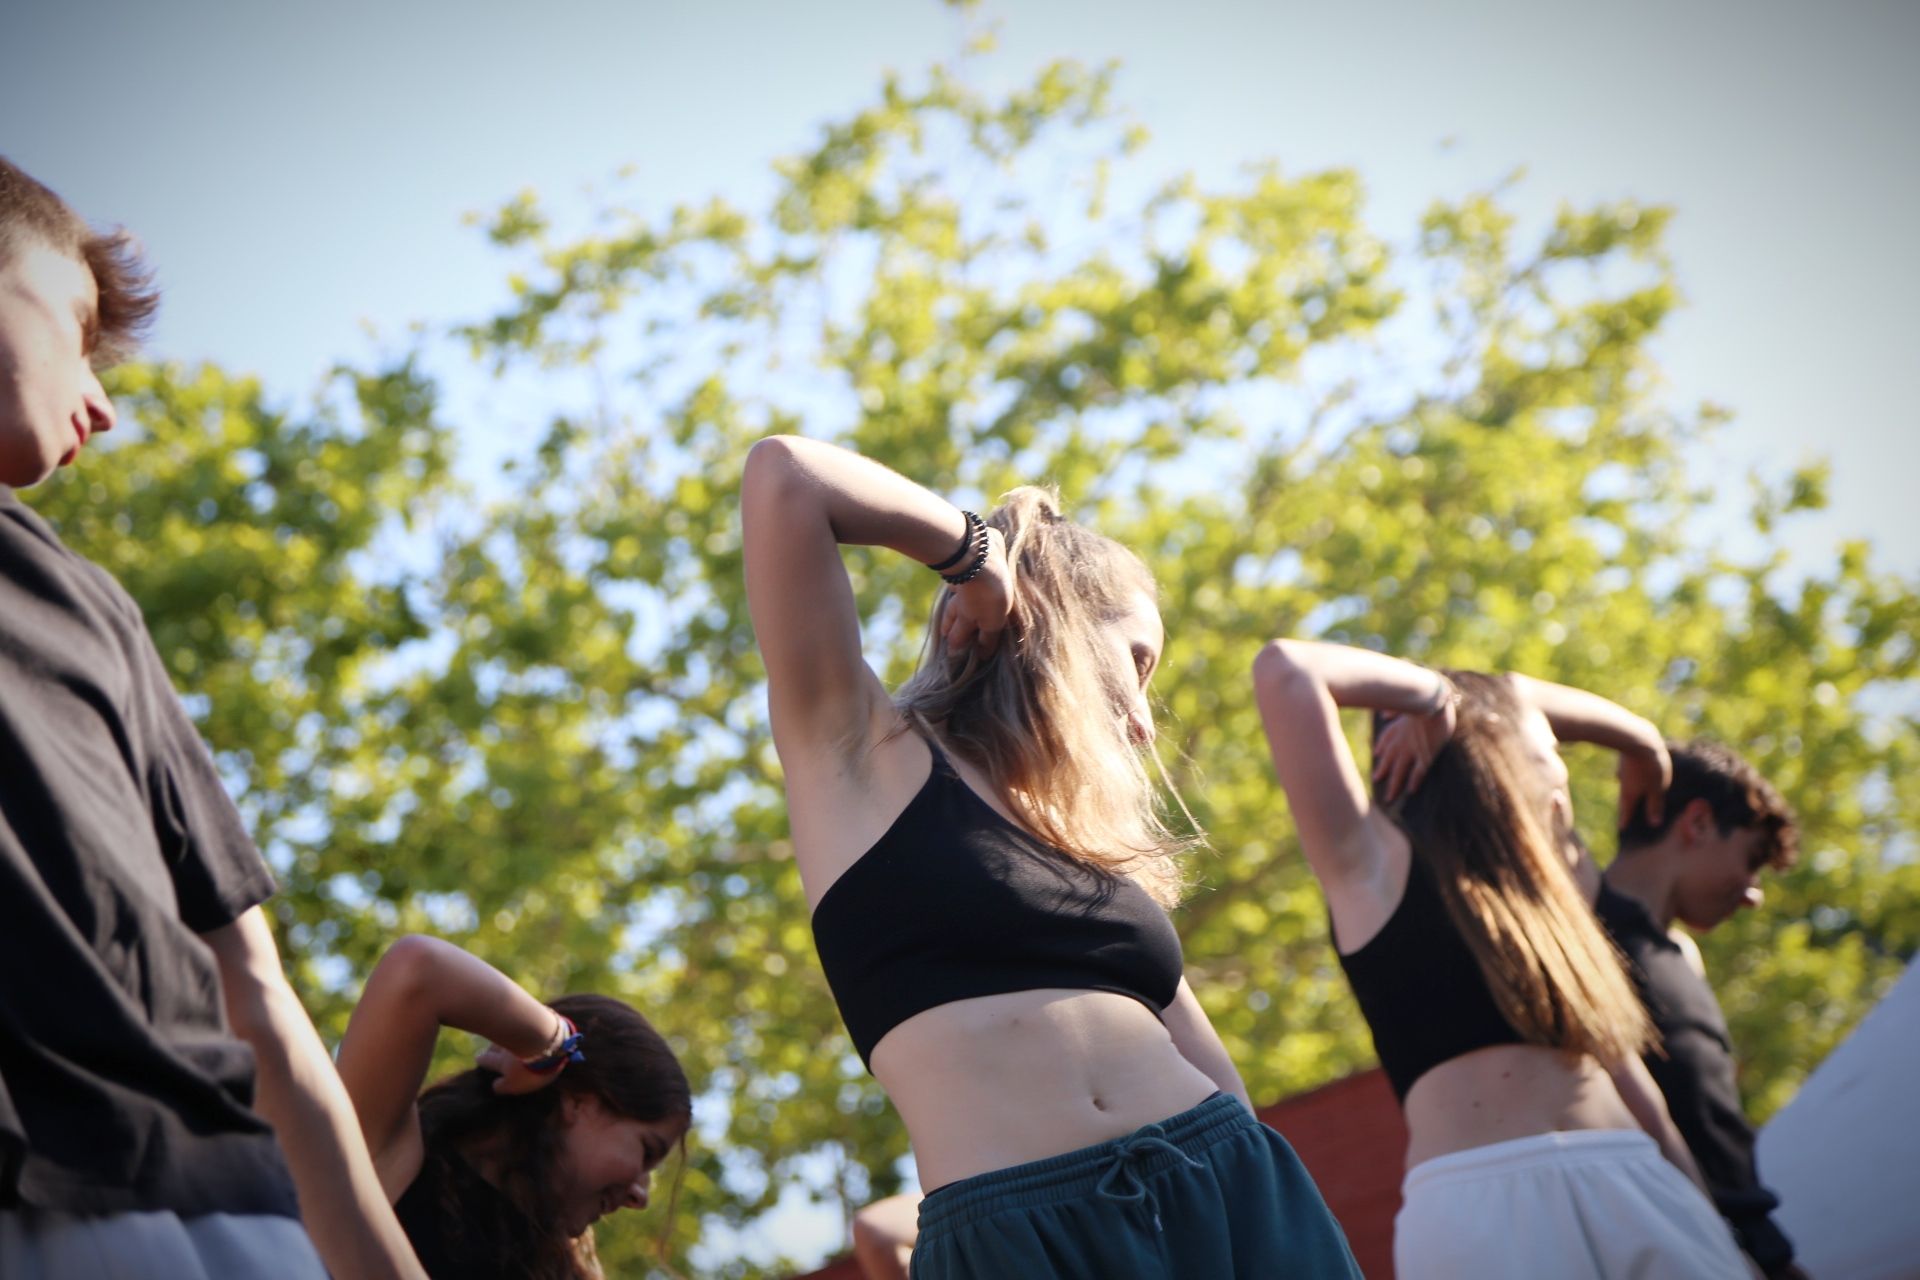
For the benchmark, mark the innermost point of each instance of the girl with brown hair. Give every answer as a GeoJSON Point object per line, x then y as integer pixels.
{"type": "Point", "coordinates": [502, 1170]}
{"type": "Point", "coordinates": [989, 878]}
{"type": "Point", "coordinates": [1502, 1015]}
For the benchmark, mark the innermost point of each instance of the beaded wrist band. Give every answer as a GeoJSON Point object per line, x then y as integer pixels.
{"type": "Point", "coordinates": [569, 1050]}
{"type": "Point", "coordinates": [977, 543]}
{"type": "Point", "coordinates": [960, 553]}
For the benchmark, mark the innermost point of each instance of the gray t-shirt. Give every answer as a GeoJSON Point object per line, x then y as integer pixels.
{"type": "Point", "coordinates": [121, 1087]}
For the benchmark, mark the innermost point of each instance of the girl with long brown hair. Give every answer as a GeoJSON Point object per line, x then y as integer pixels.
{"type": "Point", "coordinates": [502, 1170]}
{"type": "Point", "coordinates": [989, 877]}
{"type": "Point", "coordinates": [1502, 1015]}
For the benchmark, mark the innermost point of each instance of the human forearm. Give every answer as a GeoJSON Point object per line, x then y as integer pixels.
{"type": "Point", "coordinates": [1643, 1098]}
{"type": "Point", "coordinates": [299, 1094]}
{"type": "Point", "coordinates": [462, 991]}
{"type": "Point", "coordinates": [1210, 1056]}
{"type": "Point", "coordinates": [1226, 1077]}
{"type": "Point", "coordinates": [864, 503]}
{"type": "Point", "coordinates": [1354, 677]}
{"type": "Point", "coordinates": [883, 1236]}
{"type": "Point", "coordinates": [1576, 715]}
{"type": "Point", "coordinates": [1194, 1036]}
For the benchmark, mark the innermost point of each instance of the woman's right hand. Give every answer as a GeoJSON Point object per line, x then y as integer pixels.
{"type": "Point", "coordinates": [979, 611]}
{"type": "Point", "coordinates": [1406, 748]}
{"type": "Point", "coordinates": [515, 1075]}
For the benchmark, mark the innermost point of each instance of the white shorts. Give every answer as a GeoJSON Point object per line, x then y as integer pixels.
{"type": "Point", "coordinates": [39, 1244]}
{"type": "Point", "coordinates": [1596, 1204]}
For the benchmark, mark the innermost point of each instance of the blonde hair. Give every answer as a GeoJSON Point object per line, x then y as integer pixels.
{"type": "Point", "coordinates": [1044, 717]}
{"type": "Point", "coordinates": [1556, 977]}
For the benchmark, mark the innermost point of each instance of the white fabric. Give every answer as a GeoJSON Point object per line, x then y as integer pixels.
{"type": "Point", "coordinates": [36, 1244]}
{"type": "Point", "coordinates": [1841, 1155]}
{"type": "Point", "coordinates": [1598, 1204]}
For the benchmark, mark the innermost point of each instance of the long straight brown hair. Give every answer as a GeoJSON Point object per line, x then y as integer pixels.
{"type": "Point", "coordinates": [1479, 827]}
{"type": "Point", "coordinates": [1044, 718]}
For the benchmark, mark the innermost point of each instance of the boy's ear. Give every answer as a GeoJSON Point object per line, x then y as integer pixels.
{"type": "Point", "coordinates": [1696, 820]}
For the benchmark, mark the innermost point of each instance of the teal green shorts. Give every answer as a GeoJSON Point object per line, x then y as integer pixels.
{"type": "Point", "coordinates": [1210, 1194]}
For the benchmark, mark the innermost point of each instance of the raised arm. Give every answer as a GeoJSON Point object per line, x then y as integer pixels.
{"type": "Point", "coordinates": [298, 1092]}
{"type": "Point", "coordinates": [1300, 687]}
{"type": "Point", "coordinates": [1578, 716]}
{"type": "Point", "coordinates": [801, 499]}
{"type": "Point", "coordinates": [419, 986]}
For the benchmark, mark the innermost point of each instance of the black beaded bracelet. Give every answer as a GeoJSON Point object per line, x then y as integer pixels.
{"type": "Point", "coordinates": [978, 543]}
{"type": "Point", "coordinates": [966, 545]}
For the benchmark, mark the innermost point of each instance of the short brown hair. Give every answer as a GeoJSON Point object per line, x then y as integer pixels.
{"type": "Point", "coordinates": [1736, 792]}
{"type": "Point", "coordinates": [29, 211]}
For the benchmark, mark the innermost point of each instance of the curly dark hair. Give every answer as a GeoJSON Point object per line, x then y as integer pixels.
{"type": "Point", "coordinates": [1737, 793]}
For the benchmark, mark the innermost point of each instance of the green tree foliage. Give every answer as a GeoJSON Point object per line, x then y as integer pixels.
{"type": "Point", "coordinates": [523, 708]}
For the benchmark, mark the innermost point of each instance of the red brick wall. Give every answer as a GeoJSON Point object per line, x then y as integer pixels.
{"type": "Point", "coordinates": [1350, 1136]}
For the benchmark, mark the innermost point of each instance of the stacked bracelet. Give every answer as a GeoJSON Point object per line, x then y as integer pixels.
{"type": "Point", "coordinates": [974, 541]}
{"type": "Point", "coordinates": [568, 1050]}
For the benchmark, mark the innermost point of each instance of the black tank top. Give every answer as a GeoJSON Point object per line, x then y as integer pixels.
{"type": "Point", "coordinates": [954, 902]}
{"type": "Point", "coordinates": [1420, 988]}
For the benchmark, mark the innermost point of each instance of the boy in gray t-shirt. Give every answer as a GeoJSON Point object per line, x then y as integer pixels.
{"type": "Point", "coordinates": [162, 1092]}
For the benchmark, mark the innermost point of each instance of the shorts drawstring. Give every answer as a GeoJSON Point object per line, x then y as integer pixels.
{"type": "Point", "coordinates": [1121, 1181]}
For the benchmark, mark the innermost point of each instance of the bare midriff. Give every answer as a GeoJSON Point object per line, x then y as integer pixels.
{"type": "Point", "coordinates": [997, 1081]}
{"type": "Point", "coordinates": [1508, 1091]}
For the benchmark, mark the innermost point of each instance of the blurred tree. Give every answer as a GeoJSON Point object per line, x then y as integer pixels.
{"type": "Point", "coordinates": [523, 708]}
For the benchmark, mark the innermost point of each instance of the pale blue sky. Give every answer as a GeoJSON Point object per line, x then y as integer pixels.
{"type": "Point", "coordinates": [300, 171]}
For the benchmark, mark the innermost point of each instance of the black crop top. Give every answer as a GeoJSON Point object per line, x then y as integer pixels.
{"type": "Point", "coordinates": [1420, 988]}
{"type": "Point", "coordinates": [954, 902]}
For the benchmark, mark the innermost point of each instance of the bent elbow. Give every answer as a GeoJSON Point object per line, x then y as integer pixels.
{"type": "Point", "coordinates": [772, 464]}
{"type": "Point", "coordinates": [1275, 666]}
{"type": "Point", "coordinates": [407, 962]}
